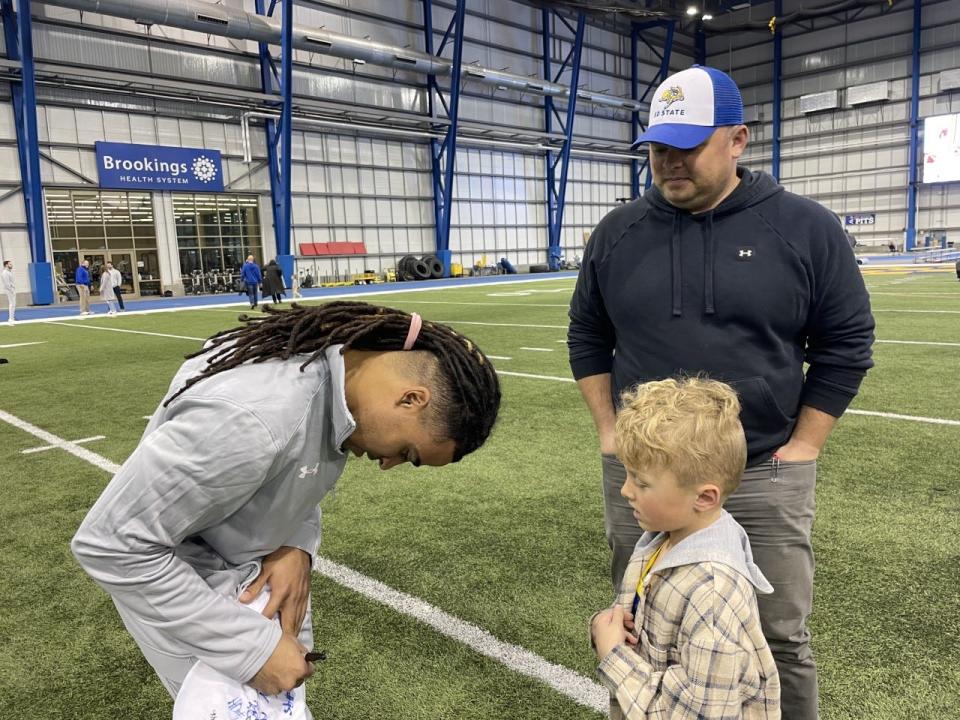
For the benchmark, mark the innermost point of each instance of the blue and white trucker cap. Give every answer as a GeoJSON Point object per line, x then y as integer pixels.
{"type": "Point", "coordinates": [689, 105]}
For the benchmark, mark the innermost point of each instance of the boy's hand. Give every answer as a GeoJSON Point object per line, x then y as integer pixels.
{"type": "Point", "coordinates": [629, 626]}
{"type": "Point", "coordinates": [287, 571]}
{"type": "Point", "coordinates": [608, 630]}
{"type": "Point", "coordinates": [285, 670]}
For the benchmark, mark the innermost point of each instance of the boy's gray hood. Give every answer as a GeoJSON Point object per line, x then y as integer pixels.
{"type": "Point", "coordinates": [724, 541]}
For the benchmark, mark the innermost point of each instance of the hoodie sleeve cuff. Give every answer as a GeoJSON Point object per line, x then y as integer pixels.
{"type": "Point", "coordinates": [585, 367]}
{"type": "Point", "coordinates": [827, 398]}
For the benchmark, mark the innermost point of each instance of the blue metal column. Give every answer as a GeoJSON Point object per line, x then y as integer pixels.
{"type": "Point", "coordinates": [280, 134]}
{"type": "Point", "coordinates": [556, 195]}
{"type": "Point", "coordinates": [777, 88]}
{"type": "Point", "coordinates": [443, 153]}
{"type": "Point", "coordinates": [18, 34]}
{"type": "Point", "coordinates": [636, 123]}
{"type": "Point", "coordinates": [913, 186]}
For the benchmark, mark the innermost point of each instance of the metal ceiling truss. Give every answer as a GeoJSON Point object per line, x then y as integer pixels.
{"type": "Point", "coordinates": [18, 35]}
{"type": "Point", "coordinates": [557, 187]}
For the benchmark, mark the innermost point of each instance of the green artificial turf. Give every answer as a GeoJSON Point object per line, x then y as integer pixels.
{"type": "Point", "coordinates": [510, 539]}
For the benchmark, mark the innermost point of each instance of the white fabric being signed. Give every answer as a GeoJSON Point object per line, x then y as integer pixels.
{"type": "Point", "coordinates": [210, 695]}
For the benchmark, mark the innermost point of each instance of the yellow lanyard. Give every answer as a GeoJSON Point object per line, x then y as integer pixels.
{"type": "Point", "coordinates": [649, 566]}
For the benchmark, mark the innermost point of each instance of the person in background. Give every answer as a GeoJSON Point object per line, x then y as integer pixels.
{"type": "Point", "coordinates": [272, 281]}
{"type": "Point", "coordinates": [250, 272]}
{"type": "Point", "coordinates": [220, 498]}
{"type": "Point", "coordinates": [9, 289]}
{"type": "Point", "coordinates": [718, 269]}
{"type": "Point", "coordinates": [106, 289]}
{"type": "Point", "coordinates": [689, 588]}
{"type": "Point", "coordinates": [82, 281]}
{"type": "Point", "coordinates": [117, 283]}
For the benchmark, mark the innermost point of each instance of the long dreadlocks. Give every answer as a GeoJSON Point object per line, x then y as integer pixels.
{"type": "Point", "coordinates": [469, 394]}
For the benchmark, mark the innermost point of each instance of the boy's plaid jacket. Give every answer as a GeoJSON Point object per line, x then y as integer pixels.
{"type": "Point", "coordinates": [700, 652]}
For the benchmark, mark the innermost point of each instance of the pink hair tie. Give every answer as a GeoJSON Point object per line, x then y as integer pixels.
{"type": "Point", "coordinates": [414, 332]}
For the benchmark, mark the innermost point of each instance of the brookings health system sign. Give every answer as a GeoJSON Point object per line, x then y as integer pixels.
{"type": "Point", "coordinates": [155, 167]}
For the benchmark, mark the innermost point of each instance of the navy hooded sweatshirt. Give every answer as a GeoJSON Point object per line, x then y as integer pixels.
{"type": "Point", "coordinates": [747, 293]}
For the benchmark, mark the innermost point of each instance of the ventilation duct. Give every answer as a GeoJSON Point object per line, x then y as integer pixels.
{"type": "Point", "coordinates": [871, 93]}
{"type": "Point", "coordinates": [241, 25]}
{"type": "Point", "coordinates": [817, 102]}
{"type": "Point", "coordinates": [949, 80]}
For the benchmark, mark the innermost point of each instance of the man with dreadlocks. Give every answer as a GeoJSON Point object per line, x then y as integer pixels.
{"type": "Point", "coordinates": [220, 497]}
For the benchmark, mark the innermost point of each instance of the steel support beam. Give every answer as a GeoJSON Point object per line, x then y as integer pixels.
{"type": "Point", "coordinates": [557, 192]}
{"type": "Point", "coordinates": [279, 135]}
{"type": "Point", "coordinates": [777, 89]}
{"type": "Point", "coordinates": [913, 186]}
{"type": "Point", "coordinates": [636, 167]}
{"type": "Point", "coordinates": [443, 152]}
{"type": "Point", "coordinates": [700, 45]}
{"type": "Point", "coordinates": [18, 35]}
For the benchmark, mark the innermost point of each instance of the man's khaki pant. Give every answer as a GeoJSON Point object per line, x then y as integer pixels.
{"type": "Point", "coordinates": [84, 298]}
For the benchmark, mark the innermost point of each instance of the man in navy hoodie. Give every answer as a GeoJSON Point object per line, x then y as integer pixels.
{"type": "Point", "coordinates": [718, 269]}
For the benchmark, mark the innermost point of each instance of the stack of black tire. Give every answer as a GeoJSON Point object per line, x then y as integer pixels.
{"type": "Point", "coordinates": [411, 267]}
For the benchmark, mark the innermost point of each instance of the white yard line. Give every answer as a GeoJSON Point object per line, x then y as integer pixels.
{"type": "Point", "coordinates": [16, 345]}
{"type": "Point", "coordinates": [578, 688]}
{"type": "Point", "coordinates": [871, 413]}
{"type": "Point", "coordinates": [906, 294]}
{"type": "Point", "coordinates": [536, 377]}
{"type": "Point", "coordinates": [132, 332]}
{"type": "Point", "coordinates": [51, 439]}
{"type": "Point", "coordinates": [895, 416]}
{"type": "Point", "coordinates": [44, 448]}
{"type": "Point", "coordinates": [490, 324]}
{"type": "Point", "coordinates": [935, 312]}
{"type": "Point", "coordinates": [499, 357]}
{"type": "Point", "coordinates": [490, 304]}
{"type": "Point", "coordinates": [535, 349]}
{"type": "Point", "coordinates": [918, 342]}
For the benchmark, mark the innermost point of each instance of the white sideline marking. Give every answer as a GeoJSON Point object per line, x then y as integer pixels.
{"type": "Point", "coordinates": [132, 332]}
{"type": "Point", "coordinates": [499, 357]}
{"type": "Point", "coordinates": [43, 448]}
{"type": "Point", "coordinates": [895, 416]}
{"type": "Point", "coordinates": [4, 347]}
{"type": "Point", "coordinates": [871, 413]}
{"type": "Point", "coordinates": [535, 377]}
{"type": "Point", "coordinates": [918, 342]}
{"type": "Point", "coordinates": [489, 304]}
{"type": "Point", "coordinates": [51, 439]}
{"type": "Point", "coordinates": [906, 294]}
{"type": "Point", "coordinates": [537, 349]}
{"type": "Point", "coordinates": [936, 312]}
{"type": "Point", "coordinates": [471, 322]}
{"type": "Point", "coordinates": [578, 688]}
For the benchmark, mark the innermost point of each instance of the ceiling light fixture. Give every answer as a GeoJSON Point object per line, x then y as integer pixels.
{"type": "Point", "coordinates": [691, 11]}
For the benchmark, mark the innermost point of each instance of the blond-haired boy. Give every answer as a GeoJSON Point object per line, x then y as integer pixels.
{"type": "Point", "coordinates": [683, 639]}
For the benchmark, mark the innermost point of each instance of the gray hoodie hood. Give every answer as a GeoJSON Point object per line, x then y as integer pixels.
{"type": "Point", "coordinates": [724, 541]}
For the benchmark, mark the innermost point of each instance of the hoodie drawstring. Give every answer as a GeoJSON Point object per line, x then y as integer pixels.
{"type": "Point", "coordinates": [677, 278]}
{"type": "Point", "coordinates": [709, 266]}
